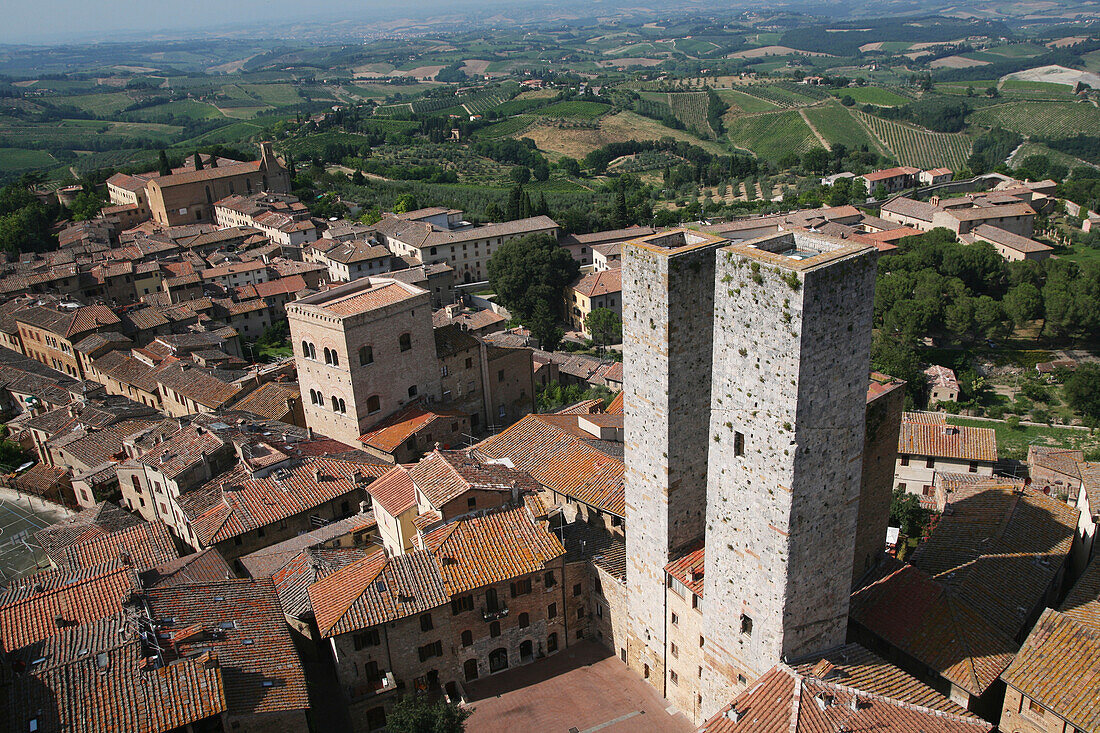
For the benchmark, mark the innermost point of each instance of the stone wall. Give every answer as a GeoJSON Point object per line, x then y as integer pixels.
{"type": "Point", "coordinates": [668, 297]}
{"type": "Point", "coordinates": [880, 450]}
{"type": "Point", "coordinates": [791, 359]}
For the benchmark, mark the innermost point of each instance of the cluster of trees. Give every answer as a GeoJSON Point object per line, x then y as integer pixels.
{"type": "Point", "coordinates": [529, 275]}
{"type": "Point", "coordinates": [939, 114]}
{"type": "Point", "coordinates": [990, 150]}
{"type": "Point", "coordinates": [841, 158]}
{"type": "Point", "coordinates": [25, 221]}
{"type": "Point", "coordinates": [1082, 187]}
{"type": "Point", "coordinates": [705, 168]}
{"type": "Point", "coordinates": [931, 286]}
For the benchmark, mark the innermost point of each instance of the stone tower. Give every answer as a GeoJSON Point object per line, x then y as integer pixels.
{"type": "Point", "coordinates": [668, 299]}
{"type": "Point", "coordinates": [792, 331]}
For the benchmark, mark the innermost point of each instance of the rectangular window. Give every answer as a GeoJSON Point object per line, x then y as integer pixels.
{"type": "Point", "coordinates": [673, 650]}
{"type": "Point", "coordinates": [930, 462]}
{"type": "Point", "coordinates": [905, 460]}
{"type": "Point", "coordinates": [521, 587]}
{"type": "Point", "coordinates": [366, 638]}
{"type": "Point", "coordinates": [426, 622]}
{"type": "Point", "coordinates": [576, 590]}
{"type": "Point", "coordinates": [673, 678]}
{"type": "Point", "coordinates": [552, 611]}
{"type": "Point", "coordinates": [435, 649]}
{"type": "Point", "coordinates": [675, 620]}
{"type": "Point", "coordinates": [738, 444]}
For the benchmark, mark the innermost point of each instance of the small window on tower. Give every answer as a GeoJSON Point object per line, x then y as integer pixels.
{"type": "Point", "coordinates": [738, 444]}
{"type": "Point", "coordinates": [746, 625]}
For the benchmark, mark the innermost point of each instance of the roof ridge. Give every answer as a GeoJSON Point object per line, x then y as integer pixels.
{"type": "Point", "coordinates": [957, 633]}
{"type": "Point", "coordinates": [347, 569]}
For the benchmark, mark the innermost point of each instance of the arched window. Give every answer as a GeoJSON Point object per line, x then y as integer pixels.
{"type": "Point", "coordinates": [498, 660]}
{"type": "Point", "coordinates": [343, 407]}
{"type": "Point", "coordinates": [312, 352]}
{"type": "Point", "coordinates": [305, 349]}
{"type": "Point", "coordinates": [335, 404]}
{"type": "Point", "coordinates": [470, 669]}
{"type": "Point", "coordinates": [335, 358]}
{"type": "Point", "coordinates": [405, 342]}
{"type": "Point", "coordinates": [467, 638]}
{"type": "Point", "coordinates": [366, 356]}
{"type": "Point", "coordinates": [209, 198]}
{"type": "Point", "coordinates": [552, 642]}
{"type": "Point", "coordinates": [313, 397]}
{"type": "Point", "coordinates": [524, 620]}
{"type": "Point", "coordinates": [491, 600]}
{"type": "Point", "coordinates": [373, 404]}
{"type": "Point", "coordinates": [494, 629]}
{"type": "Point", "coordinates": [526, 650]}
{"type": "Point", "coordinates": [328, 356]}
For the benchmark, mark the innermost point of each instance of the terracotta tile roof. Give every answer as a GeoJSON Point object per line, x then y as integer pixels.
{"type": "Point", "coordinates": [144, 546]}
{"type": "Point", "coordinates": [595, 284]}
{"type": "Point", "coordinates": [392, 432]}
{"type": "Point", "coordinates": [61, 604]}
{"type": "Point", "coordinates": [1082, 603]}
{"type": "Point", "coordinates": [93, 446]}
{"type": "Point", "coordinates": [911, 612]}
{"type": "Point", "coordinates": [358, 250]}
{"type": "Point", "coordinates": [924, 418]}
{"type": "Point", "coordinates": [961, 442]}
{"type": "Point", "coordinates": [786, 700]}
{"type": "Point", "coordinates": [280, 286]}
{"type": "Point", "coordinates": [182, 451]}
{"type": "Point", "coordinates": [450, 339]}
{"type": "Point", "coordinates": [270, 400]}
{"type": "Point", "coordinates": [102, 519]}
{"type": "Point", "coordinates": [206, 174]}
{"type": "Point", "coordinates": [479, 551]}
{"type": "Point", "coordinates": [688, 569]}
{"type": "Point", "coordinates": [94, 678]}
{"type": "Point", "coordinates": [376, 297]}
{"type": "Point", "coordinates": [197, 384]}
{"type": "Point", "coordinates": [376, 590]}
{"type": "Point", "coordinates": [584, 407]}
{"type": "Point", "coordinates": [978, 213]}
{"type": "Point", "coordinates": [442, 476]}
{"type": "Point", "coordinates": [40, 479]}
{"type": "Point", "coordinates": [1000, 550]}
{"type": "Point", "coordinates": [941, 376]}
{"type": "Point", "coordinates": [292, 580]}
{"type": "Point", "coordinates": [911, 208]}
{"type": "Point", "coordinates": [395, 491]}
{"type": "Point", "coordinates": [549, 448]}
{"type": "Point", "coordinates": [260, 667]}
{"type": "Point", "coordinates": [882, 175]}
{"type": "Point", "coordinates": [68, 323]}
{"type": "Point", "coordinates": [205, 566]}
{"type": "Point", "coordinates": [266, 562]}
{"type": "Point", "coordinates": [461, 556]}
{"type": "Point", "coordinates": [997, 235]}
{"type": "Point", "coordinates": [235, 502]}
{"type": "Point", "coordinates": [854, 666]}
{"type": "Point", "coordinates": [616, 406]}
{"type": "Point", "coordinates": [1058, 666]}
{"type": "Point", "coordinates": [1063, 460]}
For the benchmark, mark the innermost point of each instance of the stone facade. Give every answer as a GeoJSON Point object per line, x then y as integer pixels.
{"type": "Point", "coordinates": [384, 354]}
{"type": "Point", "coordinates": [885, 401]}
{"type": "Point", "coordinates": [792, 330]}
{"type": "Point", "coordinates": [668, 291]}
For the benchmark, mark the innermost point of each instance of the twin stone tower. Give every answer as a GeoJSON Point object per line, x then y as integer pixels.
{"type": "Point", "coordinates": [746, 370]}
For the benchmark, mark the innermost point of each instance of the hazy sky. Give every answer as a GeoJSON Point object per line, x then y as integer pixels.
{"type": "Point", "coordinates": [37, 21]}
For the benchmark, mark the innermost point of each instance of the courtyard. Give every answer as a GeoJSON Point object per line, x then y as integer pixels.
{"type": "Point", "coordinates": [582, 689]}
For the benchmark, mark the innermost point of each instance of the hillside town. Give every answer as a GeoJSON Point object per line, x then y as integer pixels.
{"type": "Point", "coordinates": [284, 472]}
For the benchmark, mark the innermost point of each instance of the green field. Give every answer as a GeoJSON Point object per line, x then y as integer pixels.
{"type": "Point", "coordinates": [277, 95]}
{"type": "Point", "coordinates": [1016, 50]}
{"type": "Point", "coordinates": [1013, 443]}
{"type": "Point", "coordinates": [691, 109]}
{"type": "Point", "coordinates": [837, 125]}
{"type": "Point", "coordinates": [186, 108]}
{"type": "Point", "coordinates": [578, 109]}
{"type": "Point", "coordinates": [75, 133]}
{"type": "Point", "coordinates": [507, 127]}
{"type": "Point", "coordinates": [18, 159]}
{"type": "Point", "coordinates": [873, 95]}
{"type": "Point", "coordinates": [104, 104]}
{"type": "Point", "coordinates": [918, 147]}
{"type": "Point", "coordinates": [744, 102]}
{"type": "Point", "coordinates": [771, 136]}
{"type": "Point", "coordinates": [1036, 89]}
{"type": "Point", "coordinates": [1041, 119]}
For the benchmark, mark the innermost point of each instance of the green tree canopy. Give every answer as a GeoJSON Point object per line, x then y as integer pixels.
{"type": "Point", "coordinates": [605, 326]}
{"type": "Point", "coordinates": [417, 714]}
{"type": "Point", "coordinates": [1082, 392]}
{"type": "Point", "coordinates": [529, 275]}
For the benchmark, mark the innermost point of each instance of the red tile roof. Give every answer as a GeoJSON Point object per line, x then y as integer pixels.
{"type": "Point", "coordinates": [395, 491]}
{"type": "Point", "coordinates": [377, 297]}
{"type": "Point", "coordinates": [688, 569]}
{"type": "Point", "coordinates": [441, 476]}
{"type": "Point", "coordinates": [563, 459]}
{"type": "Point", "coordinates": [913, 613]}
{"type": "Point", "coordinates": [595, 284]}
{"type": "Point", "coordinates": [35, 615]}
{"type": "Point", "coordinates": [1058, 666]}
{"type": "Point", "coordinates": [616, 406]}
{"type": "Point", "coordinates": [144, 546]}
{"type": "Point", "coordinates": [247, 632]}
{"type": "Point", "coordinates": [392, 432]}
{"type": "Point", "coordinates": [235, 502]}
{"type": "Point", "coordinates": [786, 701]}
{"type": "Point", "coordinates": [961, 442]}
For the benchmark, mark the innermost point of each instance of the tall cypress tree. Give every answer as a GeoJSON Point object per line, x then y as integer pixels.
{"type": "Point", "coordinates": [165, 168]}
{"type": "Point", "coordinates": [198, 161]}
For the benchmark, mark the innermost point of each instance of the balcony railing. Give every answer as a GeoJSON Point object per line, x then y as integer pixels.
{"type": "Point", "coordinates": [495, 613]}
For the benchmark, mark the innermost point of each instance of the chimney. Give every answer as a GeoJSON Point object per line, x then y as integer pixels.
{"type": "Point", "coordinates": [363, 507]}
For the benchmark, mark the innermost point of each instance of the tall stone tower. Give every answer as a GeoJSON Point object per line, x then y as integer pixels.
{"type": "Point", "coordinates": [668, 301]}
{"type": "Point", "coordinates": [792, 330]}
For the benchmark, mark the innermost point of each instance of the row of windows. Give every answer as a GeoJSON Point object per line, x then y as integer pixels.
{"type": "Point", "coordinates": [366, 353]}
{"type": "Point", "coordinates": [338, 404]}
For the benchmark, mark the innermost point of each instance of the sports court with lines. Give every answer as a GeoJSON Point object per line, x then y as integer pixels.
{"type": "Point", "coordinates": [20, 517]}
